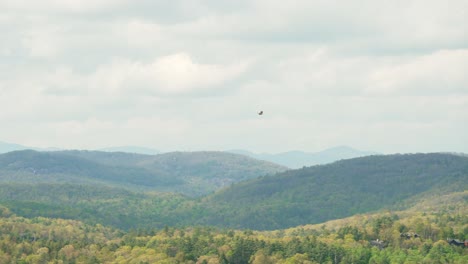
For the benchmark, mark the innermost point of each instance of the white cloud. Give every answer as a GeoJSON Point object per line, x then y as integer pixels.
{"type": "Point", "coordinates": [442, 72]}
{"type": "Point", "coordinates": [43, 42]}
{"type": "Point", "coordinates": [169, 75]}
{"type": "Point", "coordinates": [140, 33]}
{"type": "Point", "coordinates": [97, 73]}
{"type": "Point", "coordinates": [97, 133]}
{"type": "Point", "coordinates": [60, 5]}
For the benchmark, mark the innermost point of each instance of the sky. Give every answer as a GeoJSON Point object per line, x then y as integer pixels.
{"type": "Point", "coordinates": [385, 76]}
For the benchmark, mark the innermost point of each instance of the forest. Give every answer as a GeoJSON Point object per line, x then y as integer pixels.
{"type": "Point", "coordinates": [189, 173]}
{"type": "Point", "coordinates": [376, 209]}
{"type": "Point", "coordinates": [295, 197]}
{"type": "Point", "coordinates": [406, 237]}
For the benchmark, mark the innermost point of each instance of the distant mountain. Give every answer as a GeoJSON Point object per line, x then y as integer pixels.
{"type": "Point", "coordinates": [42, 167]}
{"type": "Point", "coordinates": [132, 149]}
{"type": "Point", "coordinates": [190, 173]}
{"type": "Point", "coordinates": [295, 197]}
{"type": "Point", "coordinates": [299, 159]}
{"type": "Point", "coordinates": [7, 147]}
{"type": "Point", "coordinates": [290, 159]}
{"type": "Point", "coordinates": [201, 172]}
{"type": "Point", "coordinates": [340, 189]}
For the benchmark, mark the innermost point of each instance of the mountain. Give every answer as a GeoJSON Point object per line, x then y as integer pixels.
{"type": "Point", "coordinates": [291, 198]}
{"type": "Point", "coordinates": [299, 159]}
{"type": "Point", "coordinates": [190, 173]}
{"type": "Point", "coordinates": [340, 189]}
{"type": "Point", "coordinates": [56, 167]}
{"type": "Point", "coordinates": [7, 147]}
{"type": "Point", "coordinates": [198, 173]}
{"type": "Point", "coordinates": [132, 149]}
{"type": "Point", "coordinates": [290, 159]}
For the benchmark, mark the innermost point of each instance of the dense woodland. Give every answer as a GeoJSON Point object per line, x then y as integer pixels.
{"type": "Point", "coordinates": [45, 240]}
{"type": "Point", "coordinates": [295, 197]}
{"type": "Point", "coordinates": [189, 173]}
{"type": "Point", "coordinates": [340, 189]}
{"type": "Point", "coordinates": [393, 209]}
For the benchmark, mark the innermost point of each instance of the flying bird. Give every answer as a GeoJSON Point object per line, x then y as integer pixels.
{"type": "Point", "coordinates": [260, 113]}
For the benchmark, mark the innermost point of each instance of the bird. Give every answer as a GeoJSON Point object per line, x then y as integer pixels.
{"type": "Point", "coordinates": [260, 113]}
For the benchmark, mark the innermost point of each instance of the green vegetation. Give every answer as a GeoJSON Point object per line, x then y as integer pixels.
{"type": "Point", "coordinates": [45, 240]}
{"type": "Point", "coordinates": [95, 204]}
{"type": "Point", "coordinates": [189, 173]}
{"type": "Point", "coordinates": [296, 197]}
{"type": "Point", "coordinates": [110, 220]}
{"type": "Point", "coordinates": [108, 223]}
{"type": "Point", "coordinates": [344, 188]}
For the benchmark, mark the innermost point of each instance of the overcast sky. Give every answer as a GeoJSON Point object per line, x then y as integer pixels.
{"type": "Point", "coordinates": [386, 76]}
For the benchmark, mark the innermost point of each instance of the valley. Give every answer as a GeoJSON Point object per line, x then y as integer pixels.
{"type": "Point", "coordinates": [104, 207]}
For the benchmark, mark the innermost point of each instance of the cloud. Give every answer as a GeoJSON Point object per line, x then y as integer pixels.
{"type": "Point", "coordinates": [141, 33]}
{"type": "Point", "coordinates": [169, 75]}
{"type": "Point", "coordinates": [94, 133]}
{"type": "Point", "coordinates": [43, 42]}
{"type": "Point", "coordinates": [60, 5]}
{"type": "Point", "coordinates": [370, 26]}
{"type": "Point", "coordinates": [439, 73]}
{"type": "Point", "coordinates": [95, 73]}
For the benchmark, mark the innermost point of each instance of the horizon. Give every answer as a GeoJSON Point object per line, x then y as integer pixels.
{"type": "Point", "coordinates": [377, 76]}
{"type": "Point", "coordinates": [146, 150]}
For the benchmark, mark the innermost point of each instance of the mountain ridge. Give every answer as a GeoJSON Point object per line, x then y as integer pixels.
{"type": "Point", "coordinates": [292, 159]}
{"type": "Point", "coordinates": [343, 188]}
{"type": "Point", "coordinates": [190, 173]}
{"type": "Point", "coordinates": [276, 201]}
{"type": "Point", "coordinates": [296, 159]}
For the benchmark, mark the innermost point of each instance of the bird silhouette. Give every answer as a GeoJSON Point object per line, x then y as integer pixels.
{"type": "Point", "coordinates": [260, 113]}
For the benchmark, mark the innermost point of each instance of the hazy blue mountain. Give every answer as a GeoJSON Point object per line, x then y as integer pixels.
{"type": "Point", "coordinates": [189, 173]}
{"type": "Point", "coordinates": [7, 147]}
{"type": "Point", "coordinates": [299, 159]}
{"type": "Point", "coordinates": [132, 149]}
{"type": "Point", "coordinates": [35, 166]}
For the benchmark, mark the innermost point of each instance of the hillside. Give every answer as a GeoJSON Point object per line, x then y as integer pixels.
{"type": "Point", "coordinates": [295, 197]}
{"type": "Point", "coordinates": [94, 204]}
{"type": "Point", "coordinates": [190, 173]}
{"type": "Point", "coordinates": [32, 166]}
{"type": "Point", "coordinates": [433, 206]}
{"type": "Point", "coordinates": [403, 237]}
{"type": "Point", "coordinates": [131, 149]}
{"type": "Point", "coordinates": [299, 159]}
{"type": "Point", "coordinates": [198, 172]}
{"type": "Point", "coordinates": [320, 193]}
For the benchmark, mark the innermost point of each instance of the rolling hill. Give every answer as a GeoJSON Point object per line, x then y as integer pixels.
{"type": "Point", "coordinates": [403, 237]}
{"type": "Point", "coordinates": [299, 159]}
{"type": "Point", "coordinates": [453, 203]}
{"type": "Point", "coordinates": [132, 149]}
{"type": "Point", "coordinates": [295, 197]}
{"type": "Point", "coordinates": [193, 174]}
{"type": "Point", "coordinates": [320, 193]}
